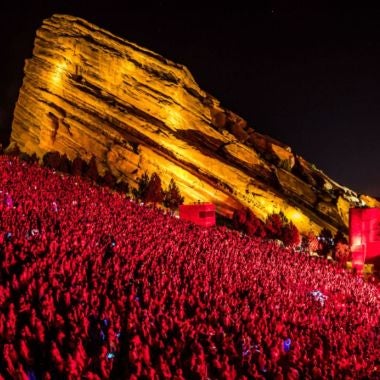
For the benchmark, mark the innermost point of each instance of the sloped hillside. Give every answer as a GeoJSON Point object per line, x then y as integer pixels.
{"type": "Point", "coordinates": [95, 286]}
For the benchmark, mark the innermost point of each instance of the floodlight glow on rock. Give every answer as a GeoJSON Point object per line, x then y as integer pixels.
{"type": "Point", "coordinates": [59, 72]}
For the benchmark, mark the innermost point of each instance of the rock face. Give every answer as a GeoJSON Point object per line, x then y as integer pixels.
{"type": "Point", "coordinates": [88, 92]}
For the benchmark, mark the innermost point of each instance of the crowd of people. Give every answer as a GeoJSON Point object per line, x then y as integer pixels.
{"type": "Point", "coordinates": [95, 286]}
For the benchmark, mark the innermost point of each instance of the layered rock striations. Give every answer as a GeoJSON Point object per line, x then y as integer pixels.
{"type": "Point", "coordinates": [87, 92]}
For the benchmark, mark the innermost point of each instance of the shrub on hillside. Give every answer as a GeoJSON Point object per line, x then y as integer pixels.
{"type": "Point", "coordinates": [122, 186]}
{"type": "Point", "coordinates": [310, 242]}
{"type": "Point", "coordinates": [246, 221]}
{"type": "Point", "coordinates": [52, 160]}
{"type": "Point", "coordinates": [28, 158]}
{"type": "Point", "coordinates": [78, 166]}
{"type": "Point", "coordinates": [154, 192]}
{"type": "Point", "coordinates": [290, 235]}
{"type": "Point", "coordinates": [92, 171]}
{"type": "Point", "coordinates": [109, 179]}
{"type": "Point", "coordinates": [341, 252]}
{"type": "Point", "coordinates": [172, 196]}
{"type": "Point", "coordinates": [142, 185]}
{"type": "Point", "coordinates": [279, 227]}
{"type": "Point", "coordinates": [274, 225]}
{"type": "Point", "coordinates": [64, 164]}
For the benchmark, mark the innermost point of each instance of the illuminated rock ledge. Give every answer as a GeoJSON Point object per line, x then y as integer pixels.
{"type": "Point", "coordinates": [88, 92]}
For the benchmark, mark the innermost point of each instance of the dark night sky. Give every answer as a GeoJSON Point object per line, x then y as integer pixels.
{"type": "Point", "coordinates": [308, 76]}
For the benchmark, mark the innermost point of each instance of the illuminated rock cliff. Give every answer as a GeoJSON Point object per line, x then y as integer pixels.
{"type": "Point", "coordinates": [88, 92]}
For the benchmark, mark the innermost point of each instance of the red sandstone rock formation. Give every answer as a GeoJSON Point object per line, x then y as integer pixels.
{"type": "Point", "coordinates": [88, 92]}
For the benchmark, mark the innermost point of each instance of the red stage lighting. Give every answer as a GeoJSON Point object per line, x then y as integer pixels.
{"type": "Point", "coordinates": [364, 235]}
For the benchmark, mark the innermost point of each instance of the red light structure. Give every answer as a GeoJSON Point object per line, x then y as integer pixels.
{"type": "Point", "coordinates": [202, 214]}
{"type": "Point", "coordinates": [364, 236]}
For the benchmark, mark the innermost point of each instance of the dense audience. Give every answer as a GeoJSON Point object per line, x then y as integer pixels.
{"type": "Point", "coordinates": [94, 286]}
